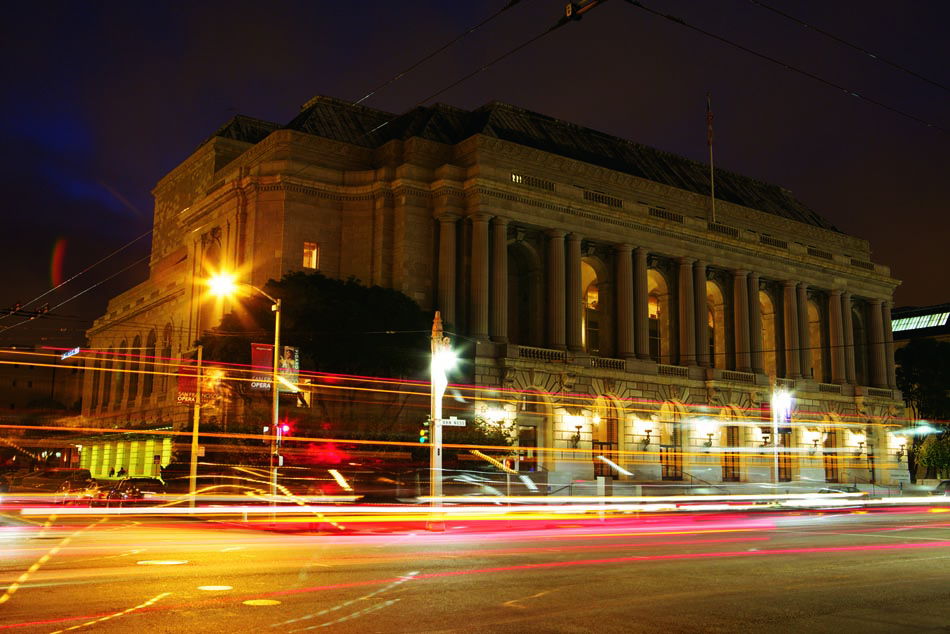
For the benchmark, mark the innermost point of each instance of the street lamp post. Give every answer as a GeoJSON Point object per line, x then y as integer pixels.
{"type": "Point", "coordinates": [196, 419]}
{"type": "Point", "coordinates": [441, 361]}
{"type": "Point", "coordinates": [222, 285]}
{"type": "Point", "coordinates": [781, 409]}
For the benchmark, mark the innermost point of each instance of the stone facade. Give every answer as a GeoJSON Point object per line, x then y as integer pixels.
{"type": "Point", "coordinates": [609, 313]}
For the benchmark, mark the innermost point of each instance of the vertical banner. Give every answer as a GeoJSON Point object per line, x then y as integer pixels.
{"type": "Point", "coordinates": [288, 367]}
{"type": "Point", "coordinates": [262, 365]}
{"type": "Point", "coordinates": [211, 383]}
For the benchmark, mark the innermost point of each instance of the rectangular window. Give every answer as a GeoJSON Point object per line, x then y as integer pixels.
{"type": "Point", "coordinates": [311, 255]}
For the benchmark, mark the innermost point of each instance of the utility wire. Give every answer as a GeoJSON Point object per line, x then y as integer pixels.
{"type": "Point", "coordinates": [839, 40]}
{"type": "Point", "coordinates": [82, 292]}
{"type": "Point", "coordinates": [82, 272]}
{"type": "Point", "coordinates": [448, 44]}
{"type": "Point", "coordinates": [794, 69]}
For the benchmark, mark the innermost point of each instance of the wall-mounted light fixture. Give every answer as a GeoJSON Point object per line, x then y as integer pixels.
{"type": "Point", "coordinates": [814, 447]}
{"type": "Point", "coordinates": [576, 438]}
{"type": "Point", "coordinates": [646, 438]}
{"type": "Point", "coordinates": [900, 453]}
{"type": "Point", "coordinates": [860, 448]}
{"type": "Point", "coordinates": [766, 439]}
{"type": "Point", "coordinates": [709, 438]}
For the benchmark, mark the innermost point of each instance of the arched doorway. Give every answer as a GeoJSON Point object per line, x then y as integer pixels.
{"type": "Point", "coordinates": [524, 295]}
{"type": "Point", "coordinates": [659, 316]}
{"type": "Point", "coordinates": [817, 341]}
{"type": "Point", "coordinates": [769, 334]}
{"type": "Point", "coordinates": [716, 325]}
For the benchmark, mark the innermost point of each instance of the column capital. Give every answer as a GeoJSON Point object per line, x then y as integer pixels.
{"type": "Point", "coordinates": [876, 302]}
{"type": "Point", "coordinates": [480, 216]}
{"type": "Point", "coordinates": [446, 216]}
{"type": "Point", "coordinates": [835, 292]}
{"type": "Point", "coordinates": [623, 247]}
{"type": "Point", "coordinates": [790, 284]}
{"type": "Point", "coordinates": [556, 233]}
{"type": "Point", "coordinates": [501, 220]}
{"type": "Point", "coordinates": [737, 273]}
{"type": "Point", "coordinates": [685, 260]}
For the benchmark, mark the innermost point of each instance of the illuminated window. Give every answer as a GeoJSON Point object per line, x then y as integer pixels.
{"type": "Point", "coordinates": [920, 321]}
{"type": "Point", "coordinates": [311, 255]}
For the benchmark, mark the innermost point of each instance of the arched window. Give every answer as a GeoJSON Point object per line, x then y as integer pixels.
{"type": "Point", "coordinates": [769, 334]}
{"type": "Point", "coordinates": [816, 339]}
{"type": "Point", "coordinates": [148, 380]}
{"type": "Point", "coordinates": [658, 307]}
{"type": "Point", "coordinates": [860, 345]}
{"type": "Point", "coordinates": [134, 361]}
{"type": "Point", "coordinates": [96, 380]}
{"type": "Point", "coordinates": [591, 313]}
{"type": "Point", "coordinates": [107, 364]}
{"type": "Point", "coordinates": [716, 315]}
{"type": "Point", "coordinates": [524, 296]}
{"type": "Point", "coordinates": [166, 356]}
{"type": "Point", "coordinates": [119, 364]}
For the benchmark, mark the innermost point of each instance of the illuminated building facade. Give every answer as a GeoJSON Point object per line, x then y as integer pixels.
{"type": "Point", "coordinates": [610, 312]}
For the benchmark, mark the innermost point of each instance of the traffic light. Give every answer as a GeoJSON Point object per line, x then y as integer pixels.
{"type": "Point", "coordinates": [424, 432]}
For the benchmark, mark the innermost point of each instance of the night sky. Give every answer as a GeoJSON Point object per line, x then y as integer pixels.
{"type": "Point", "coordinates": [101, 99]}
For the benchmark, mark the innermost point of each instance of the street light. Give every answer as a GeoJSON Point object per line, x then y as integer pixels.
{"type": "Point", "coordinates": [442, 360]}
{"type": "Point", "coordinates": [223, 285]}
{"type": "Point", "coordinates": [781, 409]}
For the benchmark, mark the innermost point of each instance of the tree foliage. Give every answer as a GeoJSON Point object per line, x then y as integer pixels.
{"type": "Point", "coordinates": [923, 376]}
{"type": "Point", "coordinates": [934, 454]}
{"type": "Point", "coordinates": [339, 326]}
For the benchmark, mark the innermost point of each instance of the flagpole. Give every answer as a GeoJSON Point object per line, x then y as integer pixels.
{"type": "Point", "coordinates": [709, 142]}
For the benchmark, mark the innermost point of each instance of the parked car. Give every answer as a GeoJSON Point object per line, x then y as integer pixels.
{"type": "Point", "coordinates": [12, 478]}
{"type": "Point", "coordinates": [840, 488]}
{"type": "Point", "coordinates": [133, 491]}
{"type": "Point", "coordinates": [53, 480]}
{"type": "Point", "coordinates": [942, 488]}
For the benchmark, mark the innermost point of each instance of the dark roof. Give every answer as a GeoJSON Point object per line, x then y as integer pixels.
{"type": "Point", "coordinates": [245, 129]}
{"type": "Point", "coordinates": [359, 125]}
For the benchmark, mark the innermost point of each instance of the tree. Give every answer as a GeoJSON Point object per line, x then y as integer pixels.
{"type": "Point", "coordinates": [923, 375]}
{"type": "Point", "coordinates": [934, 454]}
{"type": "Point", "coordinates": [340, 327]}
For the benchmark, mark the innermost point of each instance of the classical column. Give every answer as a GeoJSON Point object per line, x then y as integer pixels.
{"type": "Point", "coordinates": [804, 336]}
{"type": "Point", "coordinates": [702, 320]}
{"type": "Point", "coordinates": [755, 324]}
{"type": "Point", "coordinates": [740, 285]}
{"type": "Point", "coordinates": [479, 288]}
{"type": "Point", "coordinates": [877, 354]}
{"type": "Point", "coordinates": [556, 307]}
{"type": "Point", "coordinates": [575, 297]}
{"type": "Point", "coordinates": [686, 313]}
{"type": "Point", "coordinates": [641, 303]}
{"type": "Point", "coordinates": [624, 255]}
{"type": "Point", "coordinates": [889, 346]}
{"type": "Point", "coordinates": [447, 259]}
{"type": "Point", "coordinates": [848, 330]}
{"type": "Point", "coordinates": [792, 343]}
{"type": "Point", "coordinates": [836, 335]}
{"type": "Point", "coordinates": [499, 281]}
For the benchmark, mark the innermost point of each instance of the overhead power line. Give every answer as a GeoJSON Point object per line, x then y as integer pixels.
{"type": "Point", "coordinates": [787, 66]}
{"type": "Point", "coordinates": [839, 40]}
{"type": "Point", "coordinates": [445, 46]}
{"type": "Point", "coordinates": [82, 272]}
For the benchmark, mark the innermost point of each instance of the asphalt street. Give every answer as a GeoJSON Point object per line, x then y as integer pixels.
{"type": "Point", "coordinates": [715, 572]}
